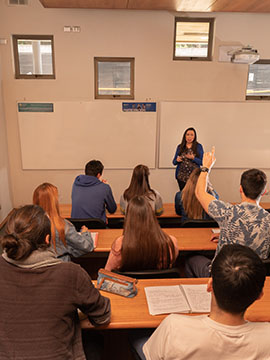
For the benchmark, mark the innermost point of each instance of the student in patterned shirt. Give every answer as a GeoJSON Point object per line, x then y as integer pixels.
{"type": "Point", "coordinates": [245, 223]}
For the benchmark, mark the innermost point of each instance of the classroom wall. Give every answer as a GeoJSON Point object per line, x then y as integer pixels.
{"type": "Point", "coordinates": [145, 35]}
{"type": "Point", "coordinates": [5, 198]}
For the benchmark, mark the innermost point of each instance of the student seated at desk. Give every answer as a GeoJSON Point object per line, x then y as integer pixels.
{"type": "Point", "coordinates": [143, 245]}
{"type": "Point", "coordinates": [139, 186]}
{"type": "Point", "coordinates": [40, 295]}
{"type": "Point", "coordinates": [92, 195]}
{"type": "Point", "coordinates": [186, 203]}
{"type": "Point", "coordinates": [65, 239]}
{"type": "Point", "coordinates": [237, 281]}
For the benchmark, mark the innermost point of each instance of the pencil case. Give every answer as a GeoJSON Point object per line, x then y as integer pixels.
{"type": "Point", "coordinates": [116, 284]}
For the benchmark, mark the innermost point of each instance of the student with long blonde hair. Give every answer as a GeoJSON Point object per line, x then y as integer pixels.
{"type": "Point", "coordinates": [65, 240]}
{"type": "Point", "coordinates": [139, 186]}
{"type": "Point", "coordinates": [186, 203]}
{"type": "Point", "coordinates": [143, 244]}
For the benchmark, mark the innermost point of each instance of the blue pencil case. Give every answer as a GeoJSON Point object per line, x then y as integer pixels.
{"type": "Point", "coordinates": [116, 284]}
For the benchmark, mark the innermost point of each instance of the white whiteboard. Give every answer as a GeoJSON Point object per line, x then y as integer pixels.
{"type": "Point", "coordinates": [77, 132]}
{"type": "Point", "coordinates": [240, 131]}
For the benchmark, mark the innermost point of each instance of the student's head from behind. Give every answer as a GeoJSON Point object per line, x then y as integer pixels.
{"type": "Point", "coordinates": [139, 184]}
{"type": "Point", "coordinates": [139, 213]}
{"type": "Point", "coordinates": [145, 245]}
{"type": "Point", "coordinates": [191, 204]}
{"type": "Point", "coordinates": [93, 168]}
{"type": "Point", "coordinates": [46, 196]}
{"type": "Point", "coordinates": [253, 183]}
{"type": "Point", "coordinates": [238, 276]}
{"type": "Point", "coordinates": [28, 228]}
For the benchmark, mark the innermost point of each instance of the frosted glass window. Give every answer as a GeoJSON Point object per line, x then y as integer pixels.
{"type": "Point", "coordinates": [114, 78]}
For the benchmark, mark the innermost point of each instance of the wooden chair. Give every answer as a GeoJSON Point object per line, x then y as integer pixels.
{"type": "Point", "coordinates": [91, 223]}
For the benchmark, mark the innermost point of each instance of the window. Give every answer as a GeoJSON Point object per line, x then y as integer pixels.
{"type": "Point", "coordinates": [193, 38]}
{"type": "Point", "coordinates": [33, 56]}
{"type": "Point", "coordinates": [114, 78]}
{"type": "Point", "coordinates": [258, 84]}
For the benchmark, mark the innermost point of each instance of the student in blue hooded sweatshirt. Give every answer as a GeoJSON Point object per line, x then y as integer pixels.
{"type": "Point", "coordinates": [90, 195]}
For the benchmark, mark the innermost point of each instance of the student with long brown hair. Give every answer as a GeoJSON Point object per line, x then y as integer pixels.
{"type": "Point", "coordinates": [186, 203]}
{"type": "Point", "coordinates": [143, 244]}
{"type": "Point", "coordinates": [139, 186]}
{"type": "Point", "coordinates": [66, 241]}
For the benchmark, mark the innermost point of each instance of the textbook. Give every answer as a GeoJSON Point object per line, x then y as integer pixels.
{"type": "Point", "coordinates": [94, 236]}
{"type": "Point", "coordinates": [178, 299]}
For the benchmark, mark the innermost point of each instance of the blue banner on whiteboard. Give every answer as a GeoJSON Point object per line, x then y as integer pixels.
{"type": "Point", "coordinates": [35, 107]}
{"type": "Point", "coordinates": [139, 106]}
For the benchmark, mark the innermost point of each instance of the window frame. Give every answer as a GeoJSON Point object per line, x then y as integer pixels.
{"type": "Point", "coordinates": [258, 97]}
{"type": "Point", "coordinates": [18, 75]}
{"type": "Point", "coordinates": [131, 60]}
{"type": "Point", "coordinates": [211, 22]}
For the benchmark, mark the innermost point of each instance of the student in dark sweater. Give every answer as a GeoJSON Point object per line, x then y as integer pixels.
{"type": "Point", "coordinates": [91, 196]}
{"type": "Point", "coordinates": [41, 294]}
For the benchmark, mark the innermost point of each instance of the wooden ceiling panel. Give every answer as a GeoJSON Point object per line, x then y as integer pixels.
{"type": "Point", "coordinates": [241, 6]}
{"type": "Point", "coordinates": [262, 6]}
{"type": "Point", "coordinates": [85, 4]}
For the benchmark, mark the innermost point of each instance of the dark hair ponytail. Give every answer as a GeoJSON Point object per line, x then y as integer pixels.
{"type": "Point", "coordinates": [26, 230]}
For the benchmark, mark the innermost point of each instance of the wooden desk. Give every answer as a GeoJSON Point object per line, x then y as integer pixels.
{"type": "Point", "coordinates": [169, 212]}
{"type": "Point", "coordinates": [189, 239]}
{"type": "Point", "coordinates": [133, 313]}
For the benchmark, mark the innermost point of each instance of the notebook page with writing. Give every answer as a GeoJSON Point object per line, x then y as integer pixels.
{"type": "Point", "coordinates": [166, 300]}
{"type": "Point", "coordinates": [198, 297]}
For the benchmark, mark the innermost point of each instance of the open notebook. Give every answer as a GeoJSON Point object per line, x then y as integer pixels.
{"type": "Point", "coordinates": [178, 299]}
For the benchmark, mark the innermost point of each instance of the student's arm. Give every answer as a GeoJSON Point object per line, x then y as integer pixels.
{"type": "Point", "coordinates": [90, 301]}
{"type": "Point", "coordinates": [178, 204]}
{"type": "Point", "coordinates": [114, 259]}
{"type": "Point", "coordinates": [158, 204]}
{"type": "Point", "coordinates": [175, 161]}
{"type": "Point", "coordinates": [109, 201]}
{"type": "Point", "coordinates": [78, 244]}
{"type": "Point", "coordinates": [123, 204]}
{"type": "Point", "coordinates": [201, 187]}
{"type": "Point", "coordinates": [198, 159]}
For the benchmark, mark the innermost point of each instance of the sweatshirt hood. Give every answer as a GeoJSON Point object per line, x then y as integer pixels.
{"type": "Point", "coordinates": [86, 180]}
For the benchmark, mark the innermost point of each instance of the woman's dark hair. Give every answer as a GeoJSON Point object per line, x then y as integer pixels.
{"type": "Point", "coordinates": [26, 230]}
{"type": "Point", "coordinates": [184, 143]}
{"type": "Point", "coordinates": [139, 184]}
{"type": "Point", "coordinates": [145, 245]}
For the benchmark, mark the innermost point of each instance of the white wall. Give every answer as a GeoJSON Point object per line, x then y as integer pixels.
{"type": "Point", "coordinates": [145, 35]}
{"type": "Point", "coordinates": [5, 199]}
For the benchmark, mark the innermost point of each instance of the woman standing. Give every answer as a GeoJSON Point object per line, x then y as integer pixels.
{"type": "Point", "coordinates": [139, 186]}
{"type": "Point", "coordinates": [65, 239]}
{"type": "Point", "coordinates": [187, 157]}
{"type": "Point", "coordinates": [143, 245]}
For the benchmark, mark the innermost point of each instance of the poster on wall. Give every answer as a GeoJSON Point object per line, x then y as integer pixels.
{"type": "Point", "coordinates": [139, 106]}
